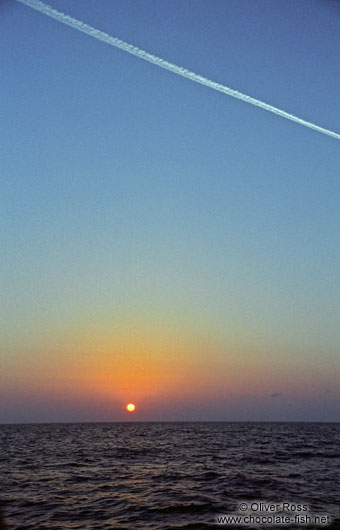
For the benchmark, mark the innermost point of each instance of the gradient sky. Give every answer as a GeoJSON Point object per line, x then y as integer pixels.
{"type": "Point", "coordinates": [163, 243]}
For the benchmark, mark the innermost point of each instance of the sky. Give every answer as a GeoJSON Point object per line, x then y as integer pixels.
{"type": "Point", "coordinates": [165, 244]}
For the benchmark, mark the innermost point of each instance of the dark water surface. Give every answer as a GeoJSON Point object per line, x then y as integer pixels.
{"type": "Point", "coordinates": [161, 476]}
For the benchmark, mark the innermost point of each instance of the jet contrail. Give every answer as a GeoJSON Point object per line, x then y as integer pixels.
{"type": "Point", "coordinates": [113, 41]}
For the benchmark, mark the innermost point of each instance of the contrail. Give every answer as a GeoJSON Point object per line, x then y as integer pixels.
{"type": "Point", "coordinates": [129, 48]}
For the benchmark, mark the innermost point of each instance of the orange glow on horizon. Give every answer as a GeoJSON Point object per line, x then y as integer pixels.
{"type": "Point", "coordinates": [153, 366]}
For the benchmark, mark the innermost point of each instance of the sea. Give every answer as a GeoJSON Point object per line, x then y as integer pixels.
{"type": "Point", "coordinates": [165, 476]}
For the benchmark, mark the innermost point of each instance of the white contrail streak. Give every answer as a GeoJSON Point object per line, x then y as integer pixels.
{"type": "Point", "coordinates": [113, 41]}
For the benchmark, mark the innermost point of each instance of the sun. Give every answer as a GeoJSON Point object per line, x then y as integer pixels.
{"type": "Point", "coordinates": [130, 407]}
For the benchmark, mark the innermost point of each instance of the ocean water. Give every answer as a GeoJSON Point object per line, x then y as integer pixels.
{"type": "Point", "coordinates": [162, 476]}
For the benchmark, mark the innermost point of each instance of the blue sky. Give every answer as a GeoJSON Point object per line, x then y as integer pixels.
{"type": "Point", "coordinates": [132, 198]}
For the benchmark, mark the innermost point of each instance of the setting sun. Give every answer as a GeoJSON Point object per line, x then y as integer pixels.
{"type": "Point", "coordinates": [130, 407]}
